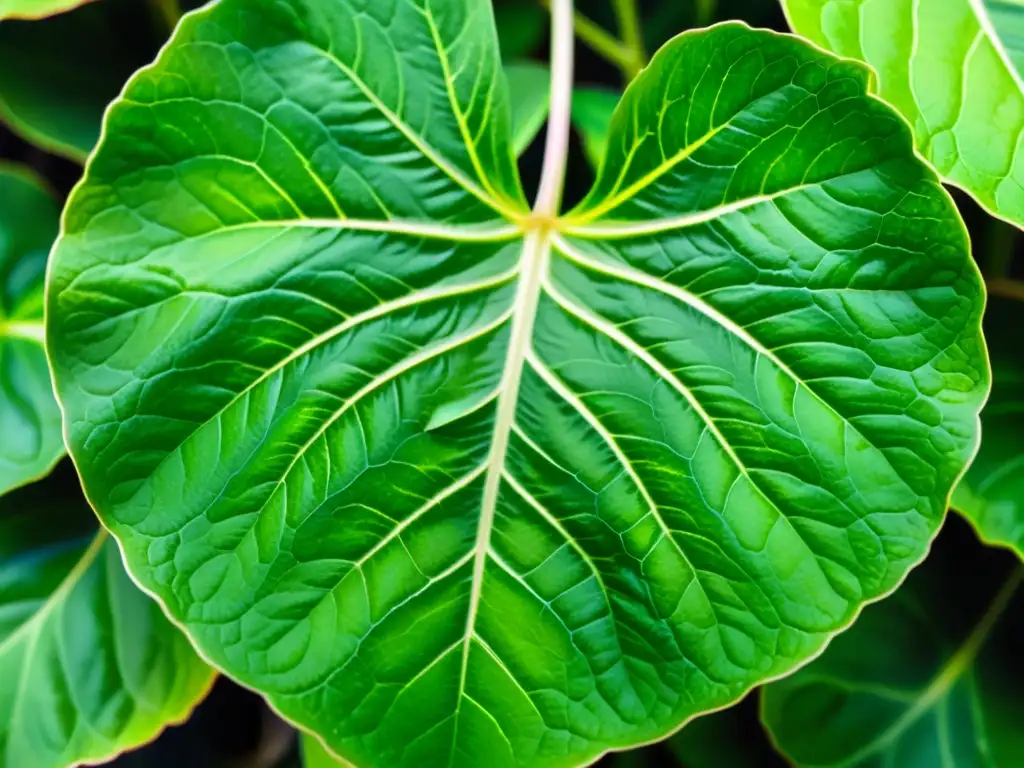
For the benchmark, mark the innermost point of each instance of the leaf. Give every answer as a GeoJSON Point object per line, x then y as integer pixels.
{"type": "Point", "coordinates": [30, 420]}
{"type": "Point", "coordinates": [90, 666]}
{"type": "Point", "coordinates": [453, 482]}
{"type": "Point", "coordinates": [910, 684]}
{"type": "Point", "coordinates": [592, 110]}
{"type": "Point", "coordinates": [530, 93]}
{"type": "Point", "coordinates": [948, 67]}
{"type": "Point", "coordinates": [36, 9]}
{"type": "Point", "coordinates": [314, 755]}
{"type": "Point", "coordinates": [732, 738]}
{"type": "Point", "coordinates": [58, 75]}
{"type": "Point", "coordinates": [991, 494]}
{"type": "Point", "coordinates": [521, 25]}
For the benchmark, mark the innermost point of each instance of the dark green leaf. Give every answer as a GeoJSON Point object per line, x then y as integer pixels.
{"type": "Point", "coordinates": [521, 27]}
{"type": "Point", "coordinates": [529, 87]}
{"type": "Point", "coordinates": [948, 66]}
{"type": "Point", "coordinates": [30, 422]}
{"type": "Point", "coordinates": [89, 666]}
{"type": "Point", "coordinates": [35, 9]}
{"type": "Point", "coordinates": [455, 482]}
{"type": "Point", "coordinates": [991, 494]}
{"type": "Point", "coordinates": [314, 755]}
{"type": "Point", "coordinates": [592, 110]}
{"type": "Point", "coordinates": [912, 684]}
{"type": "Point", "coordinates": [58, 75]}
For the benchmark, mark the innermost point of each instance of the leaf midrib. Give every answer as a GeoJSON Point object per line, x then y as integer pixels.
{"type": "Point", "coordinates": [55, 598]}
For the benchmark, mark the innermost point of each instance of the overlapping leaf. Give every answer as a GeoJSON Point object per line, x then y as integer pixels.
{"type": "Point", "coordinates": [456, 483]}
{"type": "Point", "coordinates": [57, 75]}
{"type": "Point", "coordinates": [952, 67]}
{"type": "Point", "coordinates": [30, 422]}
{"type": "Point", "coordinates": [912, 683]}
{"type": "Point", "coordinates": [36, 9]}
{"type": "Point", "coordinates": [90, 666]}
{"type": "Point", "coordinates": [991, 494]}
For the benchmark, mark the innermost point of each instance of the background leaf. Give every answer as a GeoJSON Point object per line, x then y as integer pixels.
{"type": "Point", "coordinates": [529, 86]}
{"type": "Point", "coordinates": [36, 9]}
{"type": "Point", "coordinates": [90, 666]}
{"type": "Point", "coordinates": [522, 27]}
{"type": "Point", "coordinates": [927, 677]}
{"type": "Point", "coordinates": [592, 110]}
{"type": "Point", "coordinates": [943, 65]}
{"type": "Point", "coordinates": [30, 421]}
{"type": "Point", "coordinates": [58, 75]}
{"type": "Point", "coordinates": [991, 494]}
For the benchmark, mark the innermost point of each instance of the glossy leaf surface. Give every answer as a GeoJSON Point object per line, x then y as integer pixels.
{"type": "Point", "coordinates": [991, 494]}
{"type": "Point", "coordinates": [30, 422]}
{"type": "Point", "coordinates": [36, 9]}
{"type": "Point", "coordinates": [929, 677]}
{"type": "Point", "coordinates": [90, 666]}
{"type": "Point", "coordinates": [454, 483]}
{"type": "Point", "coordinates": [57, 75]}
{"type": "Point", "coordinates": [952, 68]}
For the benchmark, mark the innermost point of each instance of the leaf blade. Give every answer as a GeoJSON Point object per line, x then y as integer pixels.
{"type": "Point", "coordinates": [29, 416]}
{"type": "Point", "coordinates": [91, 666]}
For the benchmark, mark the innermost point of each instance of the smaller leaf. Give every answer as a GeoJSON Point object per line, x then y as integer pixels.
{"type": "Point", "coordinates": [991, 494]}
{"type": "Point", "coordinates": [530, 93]}
{"type": "Point", "coordinates": [925, 678]}
{"type": "Point", "coordinates": [521, 27]}
{"type": "Point", "coordinates": [30, 421]}
{"type": "Point", "coordinates": [592, 110]}
{"type": "Point", "coordinates": [36, 9]}
{"type": "Point", "coordinates": [89, 665]}
{"type": "Point", "coordinates": [58, 75]}
{"type": "Point", "coordinates": [732, 737]}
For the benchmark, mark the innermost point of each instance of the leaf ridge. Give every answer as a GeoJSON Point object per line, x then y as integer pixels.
{"type": "Point", "coordinates": [376, 312]}
{"type": "Point", "coordinates": [460, 117]}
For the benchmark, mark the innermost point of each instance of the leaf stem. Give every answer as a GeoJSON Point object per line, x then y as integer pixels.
{"type": "Point", "coordinates": [628, 15]}
{"type": "Point", "coordinates": [556, 148]}
{"type": "Point", "coordinates": [706, 10]}
{"type": "Point", "coordinates": [605, 44]}
{"type": "Point", "coordinates": [168, 11]}
{"type": "Point", "coordinates": [1007, 288]}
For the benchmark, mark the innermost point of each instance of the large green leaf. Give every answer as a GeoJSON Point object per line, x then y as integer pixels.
{"type": "Point", "coordinates": [89, 666]}
{"type": "Point", "coordinates": [952, 68]}
{"type": "Point", "coordinates": [991, 494]}
{"type": "Point", "coordinates": [36, 9]}
{"type": "Point", "coordinates": [928, 678]}
{"type": "Point", "coordinates": [454, 482]}
{"type": "Point", "coordinates": [30, 422]}
{"type": "Point", "coordinates": [58, 75]}
{"type": "Point", "coordinates": [530, 93]}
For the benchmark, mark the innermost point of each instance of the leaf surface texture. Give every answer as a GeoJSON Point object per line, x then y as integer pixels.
{"type": "Point", "coordinates": [455, 484]}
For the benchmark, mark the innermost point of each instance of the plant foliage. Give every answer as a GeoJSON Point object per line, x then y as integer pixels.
{"type": "Point", "coordinates": [454, 480]}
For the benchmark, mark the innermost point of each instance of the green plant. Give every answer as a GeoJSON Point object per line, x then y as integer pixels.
{"type": "Point", "coordinates": [453, 478]}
